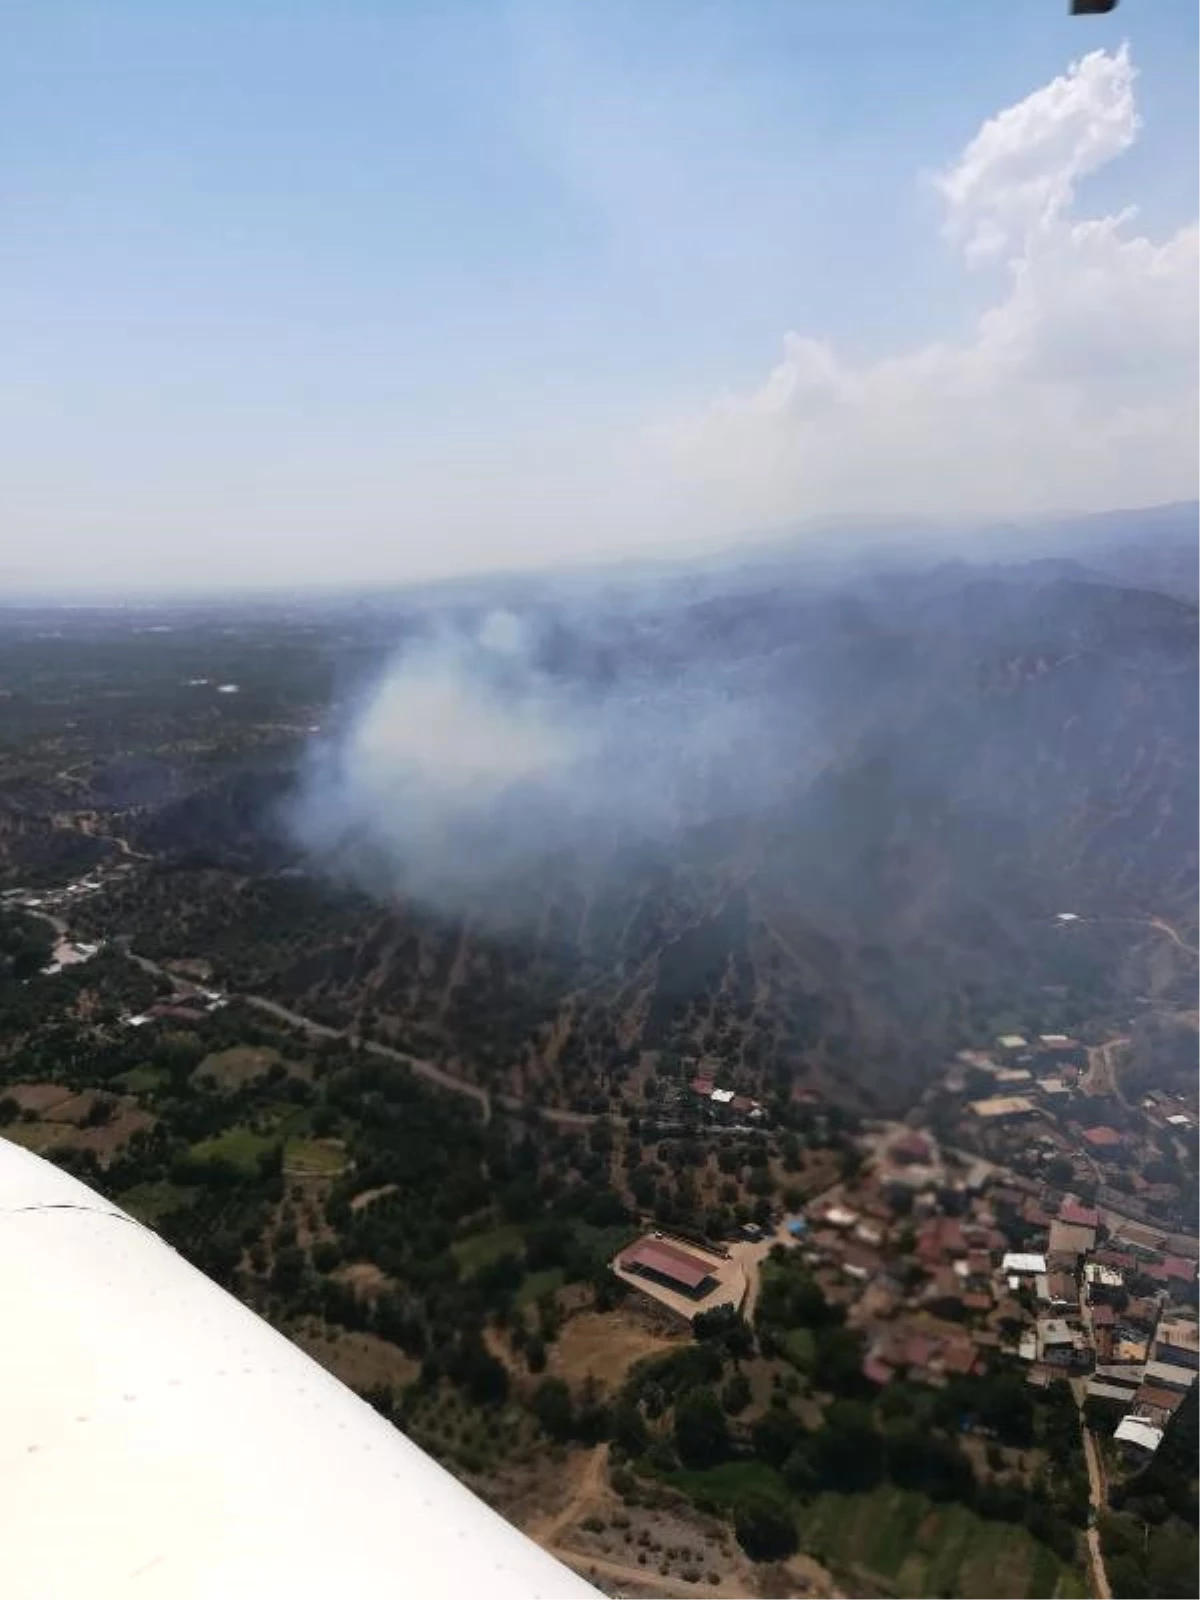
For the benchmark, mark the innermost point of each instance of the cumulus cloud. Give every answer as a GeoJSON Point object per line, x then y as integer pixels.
{"type": "Point", "coordinates": [1077, 387]}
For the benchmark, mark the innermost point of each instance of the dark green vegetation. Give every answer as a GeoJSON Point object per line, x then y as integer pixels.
{"type": "Point", "coordinates": [1149, 1536]}
{"type": "Point", "coordinates": [878, 1485]}
{"type": "Point", "coordinates": [954, 757]}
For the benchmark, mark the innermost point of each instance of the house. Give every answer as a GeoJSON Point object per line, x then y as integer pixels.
{"type": "Point", "coordinates": [1165, 1375]}
{"type": "Point", "coordinates": [911, 1149]}
{"type": "Point", "coordinates": [1062, 1291]}
{"type": "Point", "coordinates": [1103, 1140]}
{"type": "Point", "coordinates": [1076, 1215]}
{"type": "Point", "coordinates": [1071, 1240]}
{"type": "Point", "coordinates": [1021, 1264]}
{"type": "Point", "coordinates": [1180, 1270]}
{"type": "Point", "coordinates": [1178, 1342]}
{"type": "Point", "coordinates": [1103, 1317]}
{"type": "Point", "coordinates": [1054, 1089]}
{"type": "Point", "coordinates": [1129, 1378]}
{"type": "Point", "coordinates": [1102, 1280]}
{"type": "Point", "coordinates": [1002, 1108]}
{"type": "Point", "coordinates": [1061, 1345]}
{"type": "Point", "coordinates": [1151, 1399]}
{"type": "Point", "coordinates": [1138, 1439]}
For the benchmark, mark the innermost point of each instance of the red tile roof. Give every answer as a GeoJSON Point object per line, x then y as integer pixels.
{"type": "Point", "coordinates": [1102, 1138]}
{"type": "Point", "coordinates": [1080, 1215]}
{"type": "Point", "coordinates": [1103, 1317]}
{"type": "Point", "coordinates": [959, 1358]}
{"type": "Point", "coordinates": [650, 1255]}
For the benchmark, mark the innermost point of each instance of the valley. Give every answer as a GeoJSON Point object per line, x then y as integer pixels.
{"type": "Point", "coordinates": [419, 1119]}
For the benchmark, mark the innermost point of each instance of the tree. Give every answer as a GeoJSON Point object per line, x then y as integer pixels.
{"type": "Point", "coordinates": [552, 1405]}
{"type": "Point", "coordinates": [764, 1524]}
{"type": "Point", "coordinates": [736, 1395]}
{"type": "Point", "coordinates": [847, 1452]}
{"type": "Point", "coordinates": [628, 1428]}
{"type": "Point", "coordinates": [701, 1432]}
{"type": "Point", "coordinates": [775, 1435]}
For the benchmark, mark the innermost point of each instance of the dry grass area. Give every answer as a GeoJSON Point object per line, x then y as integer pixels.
{"type": "Point", "coordinates": [663, 1553]}
{"type": "Point", "coordinates": [605, 1345]}
{"type": "Point", "coordinates": [37, 1097]}
{"type": "Point", "coordinates": [109, 1140]}
{"type": "Point", "coordinates": [59, 1113]}
{"type": "Point", "coordinates": [238, 1066]}
{"type": "Point", "coordinates": [368, 1197]}
{"type": "Point", "coordinates": [360, 1360]}
{"type": "Point", "coordinates": [364, 1277]}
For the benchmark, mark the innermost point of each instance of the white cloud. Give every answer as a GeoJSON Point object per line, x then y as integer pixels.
{"type": "Point", "coordinates": [1077, 387]}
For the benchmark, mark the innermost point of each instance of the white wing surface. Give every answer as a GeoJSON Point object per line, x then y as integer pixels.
{"type": "Point", "coordinates": [159, 1439]}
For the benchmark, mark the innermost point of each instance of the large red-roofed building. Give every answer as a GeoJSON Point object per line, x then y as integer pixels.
{"type": "Point", "coordinates": [651, 1258]}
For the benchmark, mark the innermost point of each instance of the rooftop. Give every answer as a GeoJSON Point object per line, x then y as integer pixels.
{"type": "Point", "coordinates": [1071, 1240]}
{"type": "Point", "coordinates": [652, 1255]}
{"type": "Point", "coordinates": [1102, 1138]}
{"type": "Point", "coordinates": [1131, 1430]}
{"type": "Point", "coordinates": [1022, 1263]}
{"type": "Point", "coordinates": [1180, 1334]}
{"type": "Point", "coordinates": [1169, 1376]}
{"type": "Point", "coordinates": [1012, 1105]}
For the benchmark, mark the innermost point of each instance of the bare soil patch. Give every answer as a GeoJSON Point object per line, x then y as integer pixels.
{"type": "Point", "coordinates": [604, 1345]}
{"type": "Point", "coordinates": [361, 1360]}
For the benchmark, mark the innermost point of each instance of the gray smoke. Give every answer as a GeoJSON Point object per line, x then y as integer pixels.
{"type": "Point", "coordinates": [490, 748]}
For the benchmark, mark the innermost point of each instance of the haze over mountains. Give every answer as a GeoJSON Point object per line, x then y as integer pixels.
{"type": "Point", "coordinates": [825, 821]}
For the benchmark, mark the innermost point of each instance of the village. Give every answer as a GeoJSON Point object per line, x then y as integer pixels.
{"type": "Point", "coordinates": [1008, 1225]}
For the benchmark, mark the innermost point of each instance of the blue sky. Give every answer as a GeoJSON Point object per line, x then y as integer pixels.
{"type": "Point", "coordinates": [354, 291]}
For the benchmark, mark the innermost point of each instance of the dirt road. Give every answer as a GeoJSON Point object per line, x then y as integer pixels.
{"type": "Point", "coordinates": [1098, 1496]}
{"type": "Point", "coordinates": [582, 1500]}
{"type": "Point", "coordinates": [1101, 1076]}
{"type": "Point", "coordinates": [638, 1581]}
{"type": "Point", "coordinates": [1164, 926]}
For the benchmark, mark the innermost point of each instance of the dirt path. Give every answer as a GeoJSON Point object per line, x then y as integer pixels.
{"type": "Point", "coordinates": [642, 1580]}
{"type": "Point", "coordinates": [1173, 934]}
{"type": "Point", "coordinates": [590, 1486]}
{"type": "Point", "coordinates": [1101, 1075]}
{"type": "Point", "coordinates": [1098, 1496]}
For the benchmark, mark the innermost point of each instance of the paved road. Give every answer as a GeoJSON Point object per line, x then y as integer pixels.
{"type": "Point", "coordinates": [421, 1067]}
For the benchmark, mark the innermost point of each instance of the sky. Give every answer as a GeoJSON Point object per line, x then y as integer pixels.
{"type": "Point", "coordinates": [350, 292]}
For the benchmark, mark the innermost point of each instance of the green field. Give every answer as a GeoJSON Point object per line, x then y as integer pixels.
{"type": "Point", "coordinates": [317, 1158]}
{"type": "Point", "coordinates": [240, 1146]}
{"type": "Point", "coordinates": [481, 1249]}
{"type": "Point", "coordinates": [537, 1284]}
{"type": "Point", "coordinates": [799, 1346]}
{"type": "Point", "coordinates": [721, 1486]}
{"type": "Point", "coordinates": [145, 1079]}
{"type": "Point", "coordinates": [239, 1065]}
{"type": "Point", "coordinates": [909, 1547]}
{"type": "Point", "coordinates": [151, 1201]}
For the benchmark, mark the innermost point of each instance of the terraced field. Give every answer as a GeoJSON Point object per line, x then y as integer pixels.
{"type": "Point", "coordinates": [905, 1545]}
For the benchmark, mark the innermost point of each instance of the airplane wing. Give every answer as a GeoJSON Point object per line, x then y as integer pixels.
{"type": "Point", "coordinates": [159, 1439]}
